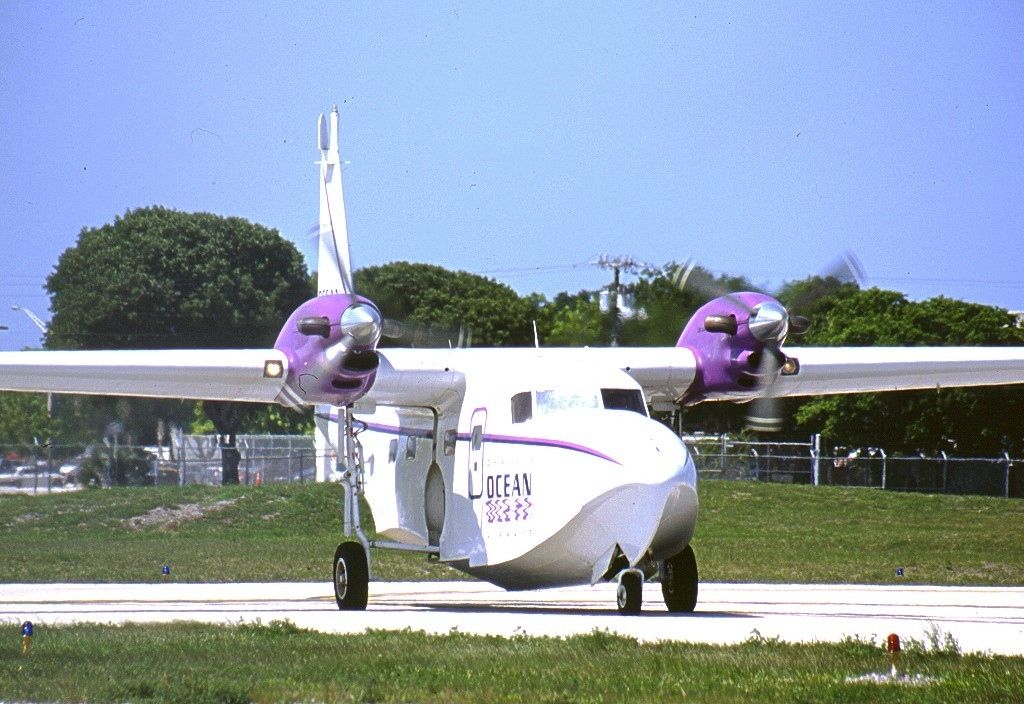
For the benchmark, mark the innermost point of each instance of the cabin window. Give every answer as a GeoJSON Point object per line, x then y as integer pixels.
{"type": "Point", "coordinates": [478, 437]}
{"type": "Point", "coordinates": [624, 400]}
{"type": "Point", "coordinates": [393, 450]}
{"type": "Point", "coordinates": [565, 399]}
{"type": "Point", "coordinates": [522, 407]}
{"type": "Point", "coordinates": [410, 448]}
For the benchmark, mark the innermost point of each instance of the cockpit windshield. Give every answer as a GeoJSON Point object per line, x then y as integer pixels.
{"type": "Point", "coordinates": [526, 404]}
{"type": "Point", "coordinates": [563, 399]}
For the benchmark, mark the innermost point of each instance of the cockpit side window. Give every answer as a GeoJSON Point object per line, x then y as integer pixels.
{"type": "Point", "coordinates": [624, 400]}
{"type": "Point", "coordinates": [522, 407]}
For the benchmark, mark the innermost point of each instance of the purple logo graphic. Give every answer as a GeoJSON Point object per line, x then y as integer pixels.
{"type": "Point", "coordinates": [508, 510]}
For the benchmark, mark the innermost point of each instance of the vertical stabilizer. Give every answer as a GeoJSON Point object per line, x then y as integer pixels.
{"type": "Point", "coordinates": [334, 268]}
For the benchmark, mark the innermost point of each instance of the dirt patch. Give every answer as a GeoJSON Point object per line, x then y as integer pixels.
{"type": "Point", "coordinates": [164, 518]}
{"type": "Point", "coordinates": [24, 518]}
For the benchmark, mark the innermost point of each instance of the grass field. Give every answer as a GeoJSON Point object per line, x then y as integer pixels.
{"type": "Point", "coordinates": [279, 663]}
{"type": "Point", "coordinates": [746, 532]}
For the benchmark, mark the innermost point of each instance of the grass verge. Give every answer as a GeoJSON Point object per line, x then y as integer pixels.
{"type": "Point", "coordinates": [281, 663]}
{"type": "Point", "coordinates": [746, 532]}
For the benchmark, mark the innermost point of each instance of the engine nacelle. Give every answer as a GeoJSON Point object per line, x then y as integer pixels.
{"type": "Point", "coordinates": [331, 345]}
{"type": "Point", "coordinates": [728, 337]}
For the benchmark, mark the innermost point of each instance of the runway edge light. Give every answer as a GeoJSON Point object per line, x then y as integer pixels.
{"type": "Point", "coordinates": [892, 646]}
{"type": "Point", "coordinates": [26, 637]}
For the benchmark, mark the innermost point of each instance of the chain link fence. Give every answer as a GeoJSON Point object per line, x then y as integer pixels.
{"type": "Point", "coordinates": [188, 459]}
{"type": "Point", "coordinates": [723, 457]}
{"type": "Point", "coordinates": [196, 459]}
{"type": "Point", "coordinates": [264, 459]}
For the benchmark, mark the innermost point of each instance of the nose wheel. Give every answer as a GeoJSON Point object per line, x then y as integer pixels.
{"type": "Point", "coordinates": [630, 593]}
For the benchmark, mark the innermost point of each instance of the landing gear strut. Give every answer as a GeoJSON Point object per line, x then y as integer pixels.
{"type": "Point", "coordinates": [352, 559]}
{"type": "Point", "coordinates": [630, 593]}
{"type": "Point", "coordinates": [351, 568]}
{"type": "Point", "coordinates": [679, 581]}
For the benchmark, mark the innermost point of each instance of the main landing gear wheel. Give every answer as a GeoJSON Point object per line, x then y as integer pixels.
{"type": "Point", "coordinates": [679, 581]}
{"type": "Point", "coordinates": [630, 592]}
{"type": "Point", "coordinates": [351, 577]}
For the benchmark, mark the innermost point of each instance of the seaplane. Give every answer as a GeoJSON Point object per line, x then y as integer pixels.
{"type": "Point", "coordinates": [528, 468]}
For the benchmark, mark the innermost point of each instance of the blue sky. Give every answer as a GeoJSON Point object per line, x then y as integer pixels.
{"type": "Point", "coordinates": [521, 140]}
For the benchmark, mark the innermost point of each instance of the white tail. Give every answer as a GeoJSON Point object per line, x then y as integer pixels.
{"type": "Point", "coordinates": [334, 265]}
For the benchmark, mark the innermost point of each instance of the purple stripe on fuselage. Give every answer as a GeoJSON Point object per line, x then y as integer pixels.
{"type": "Point", "coordinates": [542, 442]}
{"type": "Point", "coordinates": [395, 430]}
{"type": "Point", "coordinates": [488, 437]}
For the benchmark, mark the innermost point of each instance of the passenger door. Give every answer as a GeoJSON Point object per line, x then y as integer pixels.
{"type": "Point", "coordinates": [477, 425]}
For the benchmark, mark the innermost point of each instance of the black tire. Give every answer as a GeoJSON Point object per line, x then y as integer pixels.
{"type": "Point", "coordinates": [630, 593]}
{"type": "Point", "coordinates": [351, 577]}
{"type": "Point", "coordinates": [679, 581]}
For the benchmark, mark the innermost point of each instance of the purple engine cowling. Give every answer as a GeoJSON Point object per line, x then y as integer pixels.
{"type": "Point", "coordinates": [331, 345]}
{"type": "Point", "coordinates": [727, 363]}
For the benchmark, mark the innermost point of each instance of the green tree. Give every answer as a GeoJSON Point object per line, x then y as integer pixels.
{"type": "Point", "coordinates": [573, 321]}
{"type": "Point", "coordinates": [433, 296]}
{"type": "Point", "coordinates": [981, 421]}
{"type": "Point", "coordinates": [160, 278]}
{"type": "Point", "coordinates": [23, 418]}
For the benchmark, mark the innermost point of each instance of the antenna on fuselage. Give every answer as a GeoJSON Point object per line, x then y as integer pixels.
{"type": "Point", "coordinates": [334, 265]}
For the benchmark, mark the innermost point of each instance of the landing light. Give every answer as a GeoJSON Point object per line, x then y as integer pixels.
{"type": "Point", "coordinates": [273, 369]}
{"type": "Point", "coordinates": [791, 366]}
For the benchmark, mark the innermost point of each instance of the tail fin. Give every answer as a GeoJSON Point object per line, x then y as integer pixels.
{"type": "Point", "coordinates": [334, 266]}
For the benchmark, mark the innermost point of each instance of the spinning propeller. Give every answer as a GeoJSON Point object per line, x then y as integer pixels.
{"type": "Point", "coordinates": [758, 361]}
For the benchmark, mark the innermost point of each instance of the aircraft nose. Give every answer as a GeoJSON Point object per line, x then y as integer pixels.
{"type": "Point", "coordinates": [663, 458]}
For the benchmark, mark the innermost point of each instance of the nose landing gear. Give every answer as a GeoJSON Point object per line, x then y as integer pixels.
{"type": "Point", "coordinates": [630, 593]}
{"type": "Point", "coordinates": [678, 584]}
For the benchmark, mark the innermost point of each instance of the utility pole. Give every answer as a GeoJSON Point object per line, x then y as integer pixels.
{"type": "Point", "coordinates": [618, 265]}
{"type": "Point", "coordinates": [33, 317]}
{"type": "Point", "coordinates": [43, 328]}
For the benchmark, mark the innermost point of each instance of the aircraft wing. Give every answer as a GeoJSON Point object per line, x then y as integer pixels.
{"type": "Point", "coordinates": [667, 373]}
{"type": "Point", "coordinates": [414, 376]}
{"type": "Point", "coordinates": [846, 370]}
{"type": "Point", "coordinates": [228, 375]}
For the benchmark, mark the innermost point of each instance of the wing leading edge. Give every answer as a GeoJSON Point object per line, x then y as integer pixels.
{"type": "Point", "coordinates": [228, 375]}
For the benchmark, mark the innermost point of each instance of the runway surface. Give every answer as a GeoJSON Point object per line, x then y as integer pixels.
{"type": "Point", "coordinates": [985, 619]}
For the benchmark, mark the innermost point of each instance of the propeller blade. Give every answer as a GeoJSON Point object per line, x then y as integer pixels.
{"type": "Point", "coordinates": [393, 329]}
{"type": "Point", "coordinates": [798, 324]}
{"type": "Point", "coordinates": [690, 277]}
{"type": "Point", "coordinates": [425, 336]}
{"type": "Point", "coordinates": [765, 414]}
{"type": "Point", "coordinates": [843, 270]}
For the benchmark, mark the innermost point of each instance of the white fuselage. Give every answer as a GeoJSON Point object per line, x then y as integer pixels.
{"type": "Point", "coordinates": [532, 479]}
